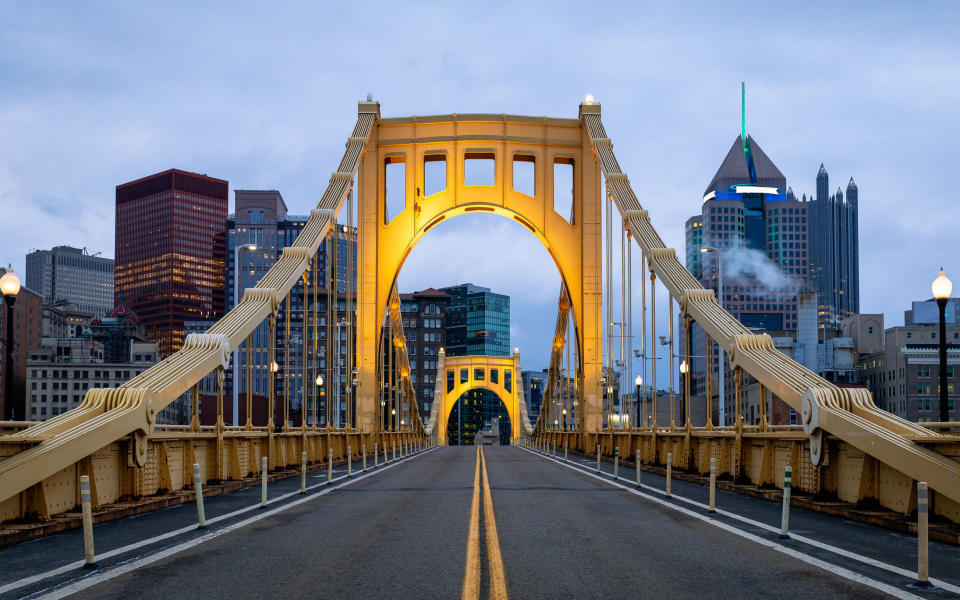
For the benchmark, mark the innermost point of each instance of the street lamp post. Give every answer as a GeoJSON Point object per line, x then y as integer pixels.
{"type": "Point", "coordinates": [236, 286]}
{"type": "Point", "coordinates": [685, 389]}
{"type": "Point", "coordinates": [941, 291]}
{"type": "Point", "coordinates": [316, 401]}
{"type": "Point", "coordinates": [723, 366]}
{"type": "Point", "coordinates": [10, 287]}
{"type": "Point", "coordinates": [638, 381]}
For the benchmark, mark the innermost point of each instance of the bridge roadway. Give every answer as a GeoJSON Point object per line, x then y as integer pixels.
{"type": "Point", "coordinates": [405, 532]}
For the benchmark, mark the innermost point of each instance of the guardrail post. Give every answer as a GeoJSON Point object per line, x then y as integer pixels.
{"type": "Point", "coordinates": [394, 445]}
{"type": "Point", "coordinates": [669, 471]}
{"type": "Point", "coordinates": [376, 456]}
{"type": "Point", "coordinates": [554, 447]}
{"type": "Point", "coordinates": [616, 461]}
{"type": "Point", "coordinates": [923, 516]}
{"type": "Point", "coordinates": [88, 553]}
{"type": "Point", "coordinates": [263, 482]}
{"type": "Point", "coordinates": [330, 465]}
{"type": "Point", "coordinates": [566, 448]}
{"type": "Point", "coordinates": [713, 485]}
{"type": "Point", "coordinates": [386, 458]}
{"type": "Point", "coordinates": [349, 461]}
{"type": "Point", "coordinates": [303, 472]}
{"type": "Point", "coordinates": [598, 458]}
{"type": "Point", "coordinates": [785, 514]}
{"type": "Point", "coordinates": [198, 492]}
{"type": "Point", "coordinates": [639, 470]}
{"type": "Point", "coordinates": [363, 450]}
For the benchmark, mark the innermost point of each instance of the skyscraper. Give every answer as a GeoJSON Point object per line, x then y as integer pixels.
{"type": "Point", "coordinates": [761, 232]}
{"type": "Point", "coordinates": [478, 323]}
{"type": "Point", "coordinates": [72, 275]}
{"type": "Point", "coordinates": [170, 252]}
{"type": "Point", "coordinates": [261, 218]}
{"type": "Point", "coordinates": [834, 251]}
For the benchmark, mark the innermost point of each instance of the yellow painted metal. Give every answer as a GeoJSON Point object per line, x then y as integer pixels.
{"type": "Point", "coordinates": [464, 370]}
{"type": "Point", "coordinates": [384, 243]}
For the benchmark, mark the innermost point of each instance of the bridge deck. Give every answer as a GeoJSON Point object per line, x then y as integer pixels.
{"type": "Point", "coordinates": [401, 532]}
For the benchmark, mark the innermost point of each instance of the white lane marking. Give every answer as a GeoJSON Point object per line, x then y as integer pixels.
{"type": "Point", "coordinates": [25, 581]}
{"type": "Point", "coordinates": [800, 538]}
{"type": "Point", "coordinates": [836, 570]}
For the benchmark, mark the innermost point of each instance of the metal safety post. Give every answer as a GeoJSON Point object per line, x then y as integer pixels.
{"type": "Point", "coordinates": [376, 456]}
{"type": "Point", "coordinates": [566, 448]}
{"type": "Point", "coordinates": [349, 461]}
{"type": "Point", "coordinates": [263, 482]}
{"type": "Point", "coordinates": [598, 458]}
{"type": "Point", "coordinates": [330, 465]}
{"type": "Point", "coordinates": [303, 472]}
{"type": "Point", "coordinates": [616, 461]}
{"type": "Point", "coordinates": [923, 515]}
{"type": "Point", "coordinates": [363, 450]}
{"type": "Point", "coordinates": [198, 492]}
{"type": "Point", "coordinates": [713, 485]}
{"type": "Point", "coordinates": [785, 514]}
{"type": "Point", "coordinates": [88, 554]}
{"type": "Point", "coordinates": [639, 470]}
{"type": "Point", "coordinates": [669, 471]}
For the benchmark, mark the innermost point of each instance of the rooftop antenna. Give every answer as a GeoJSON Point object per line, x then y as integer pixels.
{"type": "Point", "coordinates": [743, 111]}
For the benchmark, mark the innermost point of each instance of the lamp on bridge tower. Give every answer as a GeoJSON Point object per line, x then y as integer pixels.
{"type": "Point", "coordinates": [684, 389]}
{"type": "Point", "coordinates": [941, 291]}
{"type": "Point", "coordinates": [639, 382]}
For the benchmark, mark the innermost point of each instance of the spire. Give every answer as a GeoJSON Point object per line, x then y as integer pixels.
{"type": "Point", "coordinates": [743, 111]}
{"type": "Point", "coordinates": [822, 171]}
{"type": "Point", "coordinates": [851, 185]}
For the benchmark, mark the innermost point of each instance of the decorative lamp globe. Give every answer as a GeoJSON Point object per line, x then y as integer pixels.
{"type": "Point", "coordinates": [10, 283]}
{"type": "Point", "coordinates": [638, 381]}
{"type": "Point", "coordinates": [319, 379]}
{"type": "Point", "coordinates": [941, 286]}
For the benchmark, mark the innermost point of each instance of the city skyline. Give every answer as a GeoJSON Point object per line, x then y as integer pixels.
{"type": "Point", "coordinates": [70, 82]}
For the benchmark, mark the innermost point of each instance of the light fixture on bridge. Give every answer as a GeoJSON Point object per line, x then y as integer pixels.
{"type": "Point", "coordinates": [683, 368]}
{"type": "Point", "coordinates": [274, 366]}
{"type": "Point", "coordinates": [563, 412]}
{"type": "Point", "coordinates": [10, 283]}
{"type": "Point", "coordinates": [588, 99]}
{"type": "Point", "coordinates": [393, 411]}
{"type": "Point", "coordinates": [941, 286]}
{"type": "Point", "coordinates": [319, 379]}
{"type": "Point", "coordinates": [638, 381]}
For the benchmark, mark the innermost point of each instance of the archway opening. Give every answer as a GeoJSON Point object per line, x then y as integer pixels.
{"type": "Point", "coordinates": [478, 410]}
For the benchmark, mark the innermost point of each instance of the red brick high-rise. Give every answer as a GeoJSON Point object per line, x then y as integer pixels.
{"type": "Point", "coordinates": [170, 252]}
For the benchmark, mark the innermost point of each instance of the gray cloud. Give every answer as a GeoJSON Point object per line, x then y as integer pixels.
{"type": "Point", "coordinates": [97, 94]}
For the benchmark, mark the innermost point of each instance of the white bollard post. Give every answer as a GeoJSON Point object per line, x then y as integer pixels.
{"type": "Point", "coordinates": [394, 445]}
{"type": "Point", "coordinates": [785, 514]}
{"type": "Point", "coordinates": [616, 461]}
{"type": "Point", "coordinates": [198, 492]}
{"type": "Point", "coordinates": [330, 465]}
{"type": "Point", "coordinates": [598, 458]}
{"type": "Point", "coordinates": [713, 485]}
{"type": "Point", "coordinates": [303, 472]}
{"type": "Point", "coordinates": [639, 470]}
{"type": "Point", "coordinates": [376, 456]}
{"type": "Point", "coordinates": [386, 458]}
{"type": "Point", "coordinates": [669, 471]}
{"type": "Point", "coordinates": [263, 482]}
{"type": "Point", "coordinates": [566, 448]}
{"type": "Point", "coordinates": [88, 553]}
{"type": "Point", "coordinates": [923, 515]}
{"type": "Point", "coordinates": [349, 461]}
{"type": "Point", "coordinates": [363, 450]}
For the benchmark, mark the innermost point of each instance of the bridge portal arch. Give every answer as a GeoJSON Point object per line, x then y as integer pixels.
{"type": "Point", "coordinates": [461, 374]}
{"type": "Point", "coordinates": [500, 142]}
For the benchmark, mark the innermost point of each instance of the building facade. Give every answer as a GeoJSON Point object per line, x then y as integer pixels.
{"type": "Point", "coordinates": [27, 327]}
{"type": "Point", "coordinates": [261, 219]}
{"type": "Point", "coordinates": [66, 274]}
{"type": "Point", "coordinates": [61, 370]}
{"type": "Point", "coordinates": [478, 323]}
{"type": "Point", "coordinates": [424, 315]}
{"type": "Point", "coordinates": [534, 384]}
{"type": "Point", "coordinates": [170, 252]}
{"type": "Point", "coordinates": [834, 251]}
{"type": "Point", "coordinates": [904, 375]}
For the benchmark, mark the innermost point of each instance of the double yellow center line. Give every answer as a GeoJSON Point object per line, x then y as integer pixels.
{"type": "Point", "coordinates": [472, 574]}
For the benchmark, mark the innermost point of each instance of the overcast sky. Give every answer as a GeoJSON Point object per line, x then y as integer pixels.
{"type": "Point", "coordinates": [95, 94]}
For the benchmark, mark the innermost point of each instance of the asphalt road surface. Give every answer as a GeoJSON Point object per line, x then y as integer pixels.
{"type": "Point", "coordinates": [430, 528]}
